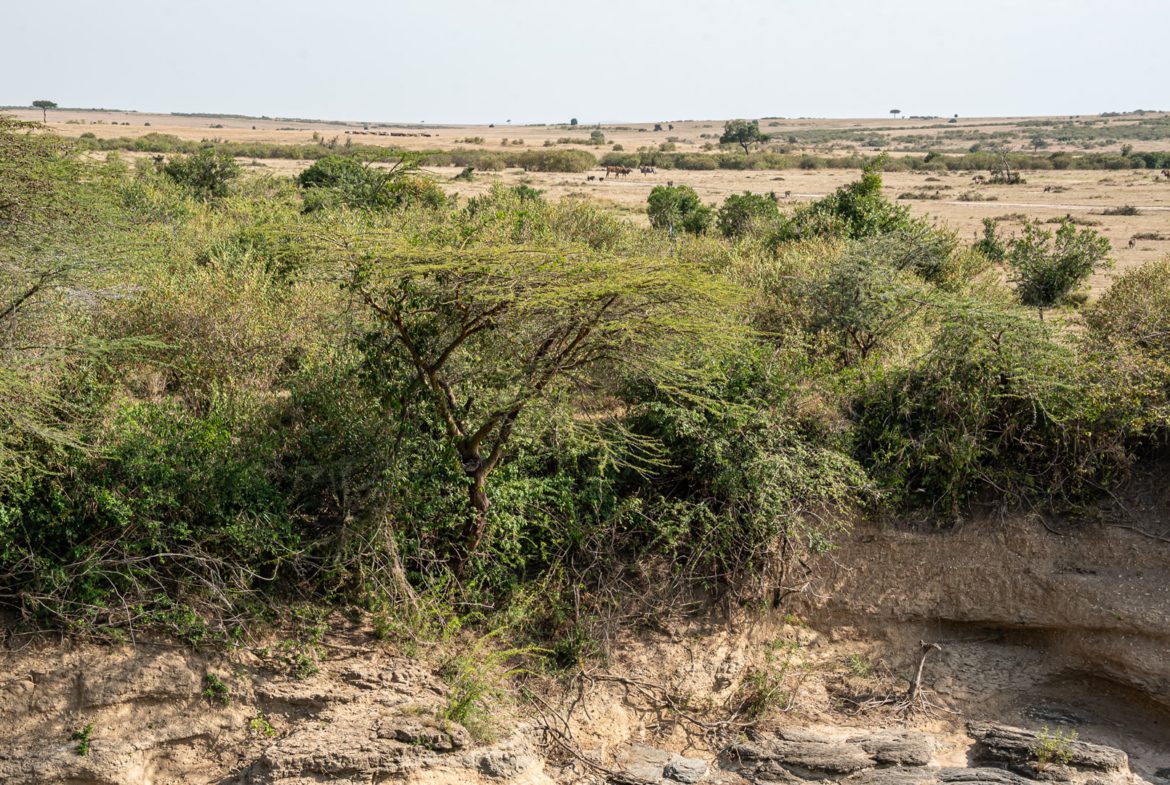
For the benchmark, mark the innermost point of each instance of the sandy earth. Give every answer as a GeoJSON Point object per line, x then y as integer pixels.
{"type": "Point", "coordinates": [688, 135]}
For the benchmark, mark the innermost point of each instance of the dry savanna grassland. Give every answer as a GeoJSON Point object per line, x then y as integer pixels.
{"type": "Point", "coordinates": [959, 199]}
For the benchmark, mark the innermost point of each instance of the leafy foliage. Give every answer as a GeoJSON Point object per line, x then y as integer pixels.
{"type": "Point", "coordinates": [1047, 270]}
{"type": "Point", "coordinates": [744, 133]}
{"type": "Point", "coordinates": [990, 244]}
{"type": "Point", "coordinates": [741, 212]}
{"type": "Point", "coordinates": [678, 207]}
{"type": "Point", "coordinates": [490, 330]}
{"type": "Point", "coordinates": [854, 211]}
{"type": "Point", "coordinates": [358, 184]}
{"type": "Point", "coordinates": [997, 404]}
{"type": "Point", "coordinates": [244, 401]}
{"type": "Point", "coordinates": [207, 173]}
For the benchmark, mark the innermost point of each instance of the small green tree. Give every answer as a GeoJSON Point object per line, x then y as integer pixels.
{"type": "Point", "coordinates": [44, 106]}
{"type": "Point", "coordinates": [206, 173]}
{"type": "Point", "coordinates": [742, 211]}
{"type": "Point", "coordinates": [990, 245]}
{"type": "Point", "coordinates": [1046, 269]}
{"type": "Point", "coordinates": [489, 331]}
{"type": "Point", "coordinates": [675, 207]}
{"type": "Point", "coordinates": [596, 137]}
{"type": "Point", "coordinates": [573, 121]}
{"type": "Point", "coordinates": [744, 133]}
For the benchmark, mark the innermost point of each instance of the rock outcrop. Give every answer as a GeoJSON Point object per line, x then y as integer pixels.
{"type": "Point", "coordinates": [153, 720]}
{"type": "Point", "coordinates": [1002, 755]}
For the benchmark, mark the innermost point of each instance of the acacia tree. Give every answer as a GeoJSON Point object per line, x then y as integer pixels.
{"type": "Point", "coordinates": [489, 331]}
{"type": "Point", "coordinates": [44, 106]}
{"type": "Point", "coordinates": [48, 235]}
{"type": "Point", "coordinates": [744, 133]}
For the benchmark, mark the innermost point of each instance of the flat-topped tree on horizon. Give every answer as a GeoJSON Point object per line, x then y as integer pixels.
{"type": "Point", "coordinates": [44, 106]}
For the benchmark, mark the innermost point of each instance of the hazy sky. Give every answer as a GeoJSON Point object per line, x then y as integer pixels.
{"type": "Point", "coordinates": [598, 60]}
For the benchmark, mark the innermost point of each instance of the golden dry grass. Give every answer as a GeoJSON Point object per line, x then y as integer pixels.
{"type": "Point", "coordinates": [1084, 194]}
{"type": "Point", "coordinates": [690, 135]}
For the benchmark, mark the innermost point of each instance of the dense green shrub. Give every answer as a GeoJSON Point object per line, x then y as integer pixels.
{"type": "Point", "coordinates": [1129, 334]}
{"type": "Point", "coordinates": [740, 469]}
{"type": "Point", "coordinates": [1047, 270]}
{"type": "Point", "coordinates": [998, 407]}
{"type": "Point", "coordinates": [677, 207]}
{"type": "Point", "coordinates": [358, 184]}
{"type": "Point", "coordinates": [207, 173]}
{"type": "Point", "coordinates": [742, 212]}
{"type": "Point", "coordinates": [990, 245]}
{"type": "Point", "coordinates": [854, 211]}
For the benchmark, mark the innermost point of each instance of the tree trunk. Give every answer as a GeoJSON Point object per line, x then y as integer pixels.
{"type": "Point", "coordinates": [476, 524]}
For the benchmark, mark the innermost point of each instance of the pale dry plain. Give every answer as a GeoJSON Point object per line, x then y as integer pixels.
{"type": "Point", "coordinates": [962, 204]}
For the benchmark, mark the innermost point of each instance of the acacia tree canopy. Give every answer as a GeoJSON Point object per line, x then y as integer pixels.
{"type": "Point", "coordinates": [490, 330]}
{"type": "Point", "coordinates": [44, 106]}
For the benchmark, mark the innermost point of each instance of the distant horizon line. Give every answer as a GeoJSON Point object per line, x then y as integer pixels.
{"type": "Point", "coordinates": [423, 123]}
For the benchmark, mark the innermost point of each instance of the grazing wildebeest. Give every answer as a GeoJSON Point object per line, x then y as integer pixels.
{"type": "Point", "coordinates": [670, 183]}
{"type": "Point", "coordinates": [1166, 173]}
{"type": "Point", "coordinates": [1132, 242]}
{"type": "Point", "coordinates": [787, 194]}
{"type": "Point", "coordinates": [591, 177]}
{"type": "Point", "coordinates": [647, 170]}
{"type": "Point", "coordinates": [1048, 189]}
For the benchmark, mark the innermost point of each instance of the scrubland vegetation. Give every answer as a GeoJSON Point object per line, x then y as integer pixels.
{"type": "Point", "coordinates": [219, 392]}
{"type": "Point", "coordinates": [550, 159]}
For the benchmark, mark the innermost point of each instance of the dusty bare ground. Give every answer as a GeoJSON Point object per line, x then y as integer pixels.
{"type": "Point", "coordinates": [160, 714]}
{"type": "Point", "coordinates": [1037, 629]}
{"type": "Point", "coordinates": [687, 135]}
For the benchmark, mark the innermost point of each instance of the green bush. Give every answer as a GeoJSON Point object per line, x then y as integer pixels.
{"type": "Point", "coordinates": [741, 212]}
{"type": "Point", "coordinates": [990, 245]}
{"type": "Point", "coordinates": [676, 208]}
{"type": "Point", "coordinates": [739, 467]}
{"type": "Point", "coordinates": [1129, 334]}
{"type": "Point", "coordinates": [357, 184]}
{"type": "Point", "coordinates": [997, 407]}
{"type": "Point", "coordinates": [207, 173]}
{"type": "Point", "coordinates": [1047, 270]}
{"type": "Point", "coordinates": [853, 211]}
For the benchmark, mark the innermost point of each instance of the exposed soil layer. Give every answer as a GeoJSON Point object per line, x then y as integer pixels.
{"type": "Point", "coordinates": [1038, 630]}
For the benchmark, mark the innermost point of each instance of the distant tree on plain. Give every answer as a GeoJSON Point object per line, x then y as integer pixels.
{"type": "Point", "coordinates": [44, 106]}
{"type": "Point", "coordinates": [744, 133]}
